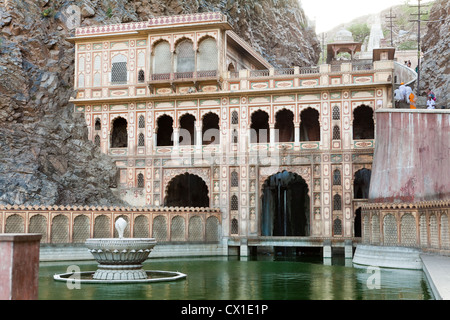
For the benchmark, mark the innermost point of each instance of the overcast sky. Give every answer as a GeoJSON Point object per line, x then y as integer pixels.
{"type": "Point", "coordinates": [331, 13]}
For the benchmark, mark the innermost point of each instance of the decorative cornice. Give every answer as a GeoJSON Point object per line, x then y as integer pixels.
{"type": "Point", "coordinates": [412, 205]}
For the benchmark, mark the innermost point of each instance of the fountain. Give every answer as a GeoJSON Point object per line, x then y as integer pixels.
{"type": "Point", "coordinates": [120, 261]}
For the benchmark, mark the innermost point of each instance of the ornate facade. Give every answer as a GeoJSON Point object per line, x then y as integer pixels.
{"type": "Point", "coordinates": [194, 117]}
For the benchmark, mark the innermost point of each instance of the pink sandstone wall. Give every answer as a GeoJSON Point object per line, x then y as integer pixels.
{"type": "Point", "coordinates": [19, 266]}
{"type": "Point", "coordinates": [412, 156]}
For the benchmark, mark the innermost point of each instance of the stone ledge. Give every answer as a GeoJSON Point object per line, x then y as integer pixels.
{"type": "Point", "coordinates": [20, 237]}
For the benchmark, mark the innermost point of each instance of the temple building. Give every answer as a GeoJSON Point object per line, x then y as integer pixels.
{"type": "Point", "coordinates": [195, 118]}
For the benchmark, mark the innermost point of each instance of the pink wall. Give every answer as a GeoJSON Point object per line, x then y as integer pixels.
{"type": "Point", "coordinates": [19, 266]}
{"type": "Point", "coordinates": [412, 156]}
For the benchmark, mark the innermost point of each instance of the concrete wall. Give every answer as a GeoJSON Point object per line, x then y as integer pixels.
{"type": "Point", "coordinates": [411, 158]}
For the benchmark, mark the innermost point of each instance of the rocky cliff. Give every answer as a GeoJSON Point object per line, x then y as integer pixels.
{"type": "Point", "coordinates": [435, 71]}
{"type": "Point", "coordinates": [45, 157]}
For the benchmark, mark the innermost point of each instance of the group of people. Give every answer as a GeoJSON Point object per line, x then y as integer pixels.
{"type": "Point", "coordinates": [404, 98]}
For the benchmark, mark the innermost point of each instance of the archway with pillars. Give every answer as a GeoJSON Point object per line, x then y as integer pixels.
{"type": "Point", "coordinates": [285, 205]}
{"type": "Point", "coordinates": [186, 190]}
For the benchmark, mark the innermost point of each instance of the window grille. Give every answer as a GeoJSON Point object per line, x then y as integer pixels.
{"type": "Point", "coordinates": [97, 63]}
{"type": "Point", "coordinates": [195, 231]}
{"type": "Point", "coordinates": [60, 229]}
{"type": "Point", "coordinates": [185, 56]}
{"type": "Point", "coordinates": [234, 117]}
{"type": "Point", "coordinates": [15, 224]}
{"type": "Point", "coordinates": [212, 232]}
{"type": "Point", "coordinates": [177, 228]}
{"type": "Point", "coordinates": [390, 230]}
{"type": "Point", "coordinates": [80, 229]}
{"type": "Point", "coordinates": [162, 58]}
{"type": "Point", "coordinates": [336, 113]}
{"type": "Point", "coordinates": [337, 227]}
{"type": "Point", "coordinates": [97, 140]}
{"type": "Point", "coordinates": [160, 228]}
{"type": "Point", "coordinates": [97, 80]}
{"type": "Point", "coordinates": [408, 230]}
{"type": "Point", "coordinates": [337, 203]}
{"type": "Point", "coordinates": [336, 133]}
{"type": "Point", "coordinates": [234, 203]}
{"type": "Point", "coordinates": [445, 241]}
{"type": "Point", "coordinates": [207, 55]}
{"type": "Point", "coordinates": [81, 80]}
{"type": "Point", "coordinates": [38, 224]}
{"type": "Point", "coordinates": [234, 226]}
{"type": "Point", "coordinates": [119, 72]}
{"type": "Point", "coordinates": [141, 122]}
{"type": "Point", "coordinates": [141, 140]}
{"type": "Point", "coordinates": [234, 179]}
{"type": "Point", "coordinates": [141, 227]}
{"type": "Point", "coordinates": [141, 76]}
{"type": "Point", "coordinates": [140, 180]}
{"type": "Point", "coordinates": [101, 227]}
{"type": "Point", "coordinates": [337, 177]}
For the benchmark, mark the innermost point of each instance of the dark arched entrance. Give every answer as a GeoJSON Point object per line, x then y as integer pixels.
{"type": "Point", "coordinates": [361, 184]}
{"type": "Point", "coordinates": [285, 206]}
{"type": "Point", "coordinates": [119, 135]}
{"type": "Point", "coordinates": [187, 190]}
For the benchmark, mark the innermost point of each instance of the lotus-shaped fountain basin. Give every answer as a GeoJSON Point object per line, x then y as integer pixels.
{"type": "Point", "coordinates": [120, 251]}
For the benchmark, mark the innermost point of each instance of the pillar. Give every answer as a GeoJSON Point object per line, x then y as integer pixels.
{"type": "Point", "coordinates": [327, 248]}
{"type": "Point", "coordinates": [348, 249]}
{"type": "Point", "coordinates": [244, 252]}
{"type": "Point", "coordinates": [19, 267]}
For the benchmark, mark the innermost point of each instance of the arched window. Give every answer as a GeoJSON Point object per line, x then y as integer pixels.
{"type": "Point", "coordinates": [141, 122]}
{"type": "Point", "coordinates": [141, 140]}
{"type": "Point", "coordinates": [207, 57]}
{"type": "Point", "coordinates": [285, 125]}
{"type": "Point", "coordinates": [260, 127]}
{"type": "Point", "coordinates": [234, 203]}
{"type": "Point", "coordinates": [336, 113]}
{"type": "Point", "coordinates": [119, 72]}
{"type": "Point", "coordinates": [187, 130]}
{"type": "Point", "coordinates": [363, 125]}
{"type": "Point", "coordinates": [309, 126]}
{"type": "Point", "coordinates": [185, 56]}
{"type": "Point", "coordinates": [140, 180]}
{"type": "Point", "coordinates": [337, 202]}
{"type": "Point", "coordinates": [337, 177]}
{"type": "Point", "coordinates": [81, 80]}
{"type": "Point", "coordinates": [336, 133]}
{"type": "Point", "coordinates": [98, 124]}
{"type": "Point", "coordinates": [337, 227]}
{"type": "Point", "coordinates": [162, 58]}
{"type": "Point", "coordinates": [97, 79]}
{"type": "Point", "coordinates": [234, 117]}
{"type": "Point", "coordinates": [210, 129]}
{"type": "Point", "coordinates": [164, 131]}
{"type": "Point", "coordinates": [234, 179]}
{"type": "Point", "coordinates": [234, 226]}
{"type": "Point", "coordinates": [141, 76]}
{"type": "Point", "coordinates": [119, 135]}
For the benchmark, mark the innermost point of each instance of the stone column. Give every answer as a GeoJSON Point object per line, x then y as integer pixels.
{"type": "Point", "coordinates": [327, 248]}
{"type": "Point", "coordinates": [348, 249]}
{"type": "Point", "coordinates": [19, 267]}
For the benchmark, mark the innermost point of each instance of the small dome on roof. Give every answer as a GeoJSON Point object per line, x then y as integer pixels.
{"type": "Point", "coordinates": [344, 35]}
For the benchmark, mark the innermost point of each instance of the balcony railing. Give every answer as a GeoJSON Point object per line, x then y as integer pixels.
{"type": "Point", "coordinates": [189, 75]}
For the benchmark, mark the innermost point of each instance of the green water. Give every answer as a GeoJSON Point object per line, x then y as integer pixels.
{"type": "Point", "coordinates": [262, 278]}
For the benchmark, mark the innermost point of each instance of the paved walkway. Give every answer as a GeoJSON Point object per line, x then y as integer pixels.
{"type": "Point", "coordinates": [437, 269]}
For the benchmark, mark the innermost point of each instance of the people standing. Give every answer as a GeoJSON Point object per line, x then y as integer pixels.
{"type": "Point", "coordinates": [430, 103]}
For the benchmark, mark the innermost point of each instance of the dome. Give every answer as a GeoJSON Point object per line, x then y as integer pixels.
{"type": "Point", "coordinates": [343, 36]}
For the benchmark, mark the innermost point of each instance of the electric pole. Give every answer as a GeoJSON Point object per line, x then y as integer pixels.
{"type": "Point", "coordinates": [419, 20]}
{"type": "Point", "coordinates": [390, 17]}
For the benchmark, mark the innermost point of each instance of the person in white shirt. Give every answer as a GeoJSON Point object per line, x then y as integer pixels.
{"type": "Point", "coordinates": [430, 103]}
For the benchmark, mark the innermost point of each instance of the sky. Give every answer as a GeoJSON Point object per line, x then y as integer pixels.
{"type": "Point", "coordinates": [331, 13]}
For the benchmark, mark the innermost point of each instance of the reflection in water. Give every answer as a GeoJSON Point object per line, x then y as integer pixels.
{"type": "Point", "coordinates": [262, 278]}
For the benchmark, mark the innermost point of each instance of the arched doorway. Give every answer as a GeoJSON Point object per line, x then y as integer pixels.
{"type": "Point", "coordinates": [285, 206]}
{"type": "Point", "coordinates": [361, 184]}
{"type": "Point", "coordinates": [363, 124]}
{"type": "Point", "coordinates": [119, 134]}
{"type": "Point", "coordinates": [187, 190]}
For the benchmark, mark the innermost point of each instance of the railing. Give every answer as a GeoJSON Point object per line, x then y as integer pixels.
{"type": "Point", "coordinates": [184, 75]}
{"type": "Point", "coordinates": [59, 224]}
{"type": "Point", "coordinates": [309, 70]}
{"type": "Point", "coordinates": [161, 76]}
{"type": "Point", "coordinates": [259, 73]}
{"type": "Point", "coordinates": [284, 71]}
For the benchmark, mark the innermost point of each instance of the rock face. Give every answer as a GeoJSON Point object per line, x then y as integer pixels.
{"type": "Point", "coordinates": [435, 70]}
{"type": "Point", "coordinates": [46, 157]}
